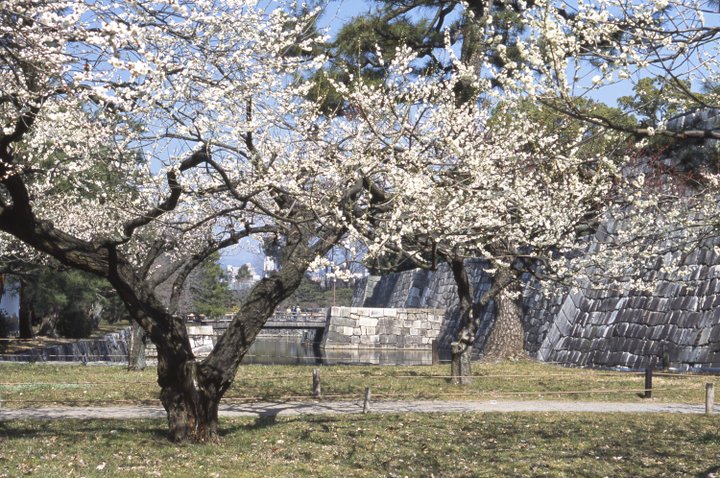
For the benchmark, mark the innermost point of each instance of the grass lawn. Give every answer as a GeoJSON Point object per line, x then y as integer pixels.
{"type": "Point", "coordinates": [45, 384]}
{"type": "Point", "coordinates": [491, 445]}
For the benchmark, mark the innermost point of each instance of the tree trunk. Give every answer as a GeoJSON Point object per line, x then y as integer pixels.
{"type": "Point", "coordinates": [460, 369]}
{"type": "Point", "coordinates": [191, 400]}
{"type": "Point", "coordinates": [191, 391]}
{"type": "Point", "coordinates": [507, 338]}
{"type": "Point", "coordinates": [25, 314]}
{"type": "Point", "coordinates": [136, 348]}
{"type": "Point", "coordinates": [48, 325]}
{"type": "Point", "coordinates": [461, 348]}
{"type": "Point", "coordinates": [95, 313]}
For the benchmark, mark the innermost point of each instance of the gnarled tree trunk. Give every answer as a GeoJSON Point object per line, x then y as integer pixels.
{"type": "Point", "coordinates": [190, 390]}
{"type": "Point", "coordinates": [507, 337]}
{"type": "Point", "coordinates": [460, 369]}
{"type": "Point", "coordinates": [191, 397]}
{"type": "Point", "coordinates": [461, 348]}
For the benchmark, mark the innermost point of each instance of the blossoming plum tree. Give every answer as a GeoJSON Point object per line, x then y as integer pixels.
{"type": "Point", "coordinates": [192, 104]}
{"type": "Point", "coordinates": [592, 47]}
{"type": "Point", "coordinates": [195, 105]}
{"type": "Point", "coordinates": [470, 179]}
{"type": "Point", "coordinates": [557, 56]}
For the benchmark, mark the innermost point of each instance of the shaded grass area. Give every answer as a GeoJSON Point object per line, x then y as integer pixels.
{"type": "Point", "coordinates": [458, 445]}
{"type": "Point", "coordinates": [45, 384]}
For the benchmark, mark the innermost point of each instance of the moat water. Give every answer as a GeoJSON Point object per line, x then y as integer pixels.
{"type": "Point", "coordinates": [267, 350]}
{"type": "Point", "coordinates": [293, 351]}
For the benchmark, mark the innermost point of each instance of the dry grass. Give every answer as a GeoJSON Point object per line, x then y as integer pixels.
{"type": "Point", "coordinates": [459, 445]}
{"type": "Point", "coordinates": [47, 384]}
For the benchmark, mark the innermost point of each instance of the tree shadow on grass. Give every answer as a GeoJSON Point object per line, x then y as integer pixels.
{"type": "Point", "coordinates": [261, 422]}
{"type": "Point", "coordinates": [324, 423]}
{"type": "Point", "coordinates": [79, 430]}
{"type": "Point", "coordinates": [709, 472]}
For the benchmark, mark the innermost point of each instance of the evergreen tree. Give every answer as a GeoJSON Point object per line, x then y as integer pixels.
{"type": "Point", "coordinates": [209, 289]}
{"type": "Point", "coordinates": [64, 302]}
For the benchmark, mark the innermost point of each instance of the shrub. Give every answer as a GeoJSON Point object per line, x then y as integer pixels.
{"type": "Point", "coordinates": [74, 323]}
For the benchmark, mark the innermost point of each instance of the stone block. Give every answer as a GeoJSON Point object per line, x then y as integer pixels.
{"type": "Point", "coordinates": [367, 330]}
{"type": "Point", "coordinates": [413, 340]}
{"type": "Point", "coordinates": [691, 303]}
{"type": "Point", "coordinates": [343, 322]}
{"type": "Point", "coordinates": [707, 302]}
{"type": "Point", "coordinates": [388, 339]}
{"type": "Point", "coordinates": [340, 312]}
{"type": "Point", "coordinates": [704, 337]}
{"type": "Point", "coordinates": [368, 321]}
{"type": "Point", "coordinates": [200, 330]}
{"type": "Point", "coordinates": [338, 339]}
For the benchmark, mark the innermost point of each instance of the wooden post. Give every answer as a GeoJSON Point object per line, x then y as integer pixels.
{"type": "Point", "coordinates": [435, 352]}
{"type": "Point", "coordinates": [317, 391]}
{"type": "Point", "coordinates": [709, 398]}
{"type": "Point", "coordinates": [366, 403]}
{"type": "Point", "coordinates": [648, 382]}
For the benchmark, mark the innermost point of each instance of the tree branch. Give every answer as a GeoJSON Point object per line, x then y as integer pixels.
{"type": "Point", "coordinates": [171, 201]}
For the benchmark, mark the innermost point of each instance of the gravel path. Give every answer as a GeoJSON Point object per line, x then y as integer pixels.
{"type": "Point", "coordinates": [330, 407]}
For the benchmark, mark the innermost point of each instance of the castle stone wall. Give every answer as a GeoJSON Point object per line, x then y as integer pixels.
{"type": "Point", "coordinates": [359, 327]}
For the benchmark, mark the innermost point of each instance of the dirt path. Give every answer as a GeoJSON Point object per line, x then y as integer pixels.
{"type": "Point", "coordinates": [330, 407]}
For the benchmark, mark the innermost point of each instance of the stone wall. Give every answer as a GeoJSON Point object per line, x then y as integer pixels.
{"type": "Point", "coordinates": [675, 325]}
{"type": "Point", "coordinates": [110, 348]}
{"type": "Point", "coordinates": [357, 327]}
{"type": "Point", "coordinates": [437, 290]}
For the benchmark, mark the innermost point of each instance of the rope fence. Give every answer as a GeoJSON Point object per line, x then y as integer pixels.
{"type": "Point", "coordinates": [363, 375]}
{"type": "Point", "coordinates": [356, 397]}
{"type": "Point", "coordinates": [358, 381]}
{"type": "Point", "coordinates": [279, 359]}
